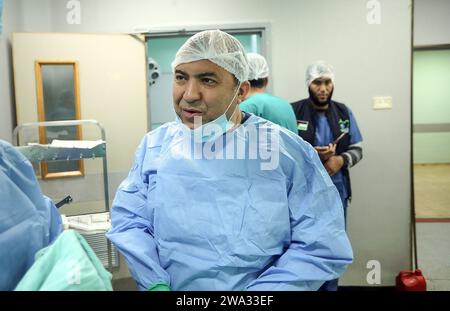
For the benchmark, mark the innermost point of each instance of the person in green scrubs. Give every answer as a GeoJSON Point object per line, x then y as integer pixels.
{"type": "Point", "coordinates": [263, 104]}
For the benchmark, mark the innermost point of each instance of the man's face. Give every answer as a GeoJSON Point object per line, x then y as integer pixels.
{"type": "Point", "coordinates": [203, 89]}
{"type": "Point", "coordinates": [321, 89]}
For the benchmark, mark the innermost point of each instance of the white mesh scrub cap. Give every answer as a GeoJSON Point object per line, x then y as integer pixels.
{"type": "Point", "coordinates": [258, 67]}
{"type": "Point", "coordinates": [319, 69]}
{"type": "Point", "coordinates": [218, 47]}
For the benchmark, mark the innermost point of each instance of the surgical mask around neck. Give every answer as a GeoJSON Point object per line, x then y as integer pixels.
{"type": "Point", "coordinates": [212, 130]}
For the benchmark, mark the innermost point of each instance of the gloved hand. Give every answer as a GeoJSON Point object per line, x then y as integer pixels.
{"type": "Point", "coordinates": [159, 287]}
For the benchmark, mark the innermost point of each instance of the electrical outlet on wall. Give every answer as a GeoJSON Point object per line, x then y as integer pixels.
{"type": "Point", "coordinates": [382, 102]}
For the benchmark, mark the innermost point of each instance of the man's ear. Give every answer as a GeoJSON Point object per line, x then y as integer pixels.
{"type": "Point", "coordinates": [243, 91]}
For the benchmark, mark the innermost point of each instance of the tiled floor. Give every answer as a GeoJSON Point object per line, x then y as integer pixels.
{"type": "Point", "coordinates": [432, 190]}
{"type": "Point", "coordinates": [125, 284]}
{"type": "Point", "coordinates": [432, 200]}
{"type": "Point", "coordinates": [433, 253]}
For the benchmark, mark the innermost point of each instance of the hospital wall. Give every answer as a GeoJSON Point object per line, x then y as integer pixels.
{"type": "Point", "coordinates": [18, 15]}
{"type": "Point", "coordinates": [431, 22]}
{"type": "Point", "coordinates": [431, 107]}
{"type": "Point", "coordinates": [431, 78]}
{"type": "Point", "coordinates": [10, 22]}
{"type": "Point", "coordinates": [370, 60]}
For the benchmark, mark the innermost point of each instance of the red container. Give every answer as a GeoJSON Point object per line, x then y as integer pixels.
{"type": "Point", "coordinates": [411, 281]}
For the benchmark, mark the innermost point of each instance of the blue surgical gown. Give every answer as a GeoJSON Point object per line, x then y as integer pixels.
{"type": "Point", "coordinates": [324, 136]}
{"type": "Point", "coordinates": [29, 221]}
{"type": "Point", "coordinates": [215, 223]}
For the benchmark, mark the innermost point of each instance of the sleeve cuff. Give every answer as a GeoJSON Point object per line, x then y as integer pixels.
{"type": "Point", "coordinates": [162, 287]}
{"type": "Point", "coordinates": [345, 157]}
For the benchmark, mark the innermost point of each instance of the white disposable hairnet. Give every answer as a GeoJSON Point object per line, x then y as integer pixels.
{"type": "Point", "coordinates": [319, 69]}
{"type": "Point", "coordinates": [218, 47]}
{"type": "Point", "coordinates": [258, 67]}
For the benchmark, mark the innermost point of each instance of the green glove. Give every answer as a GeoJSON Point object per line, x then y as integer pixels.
{"type": "Point", "coordinates": [162, 287]}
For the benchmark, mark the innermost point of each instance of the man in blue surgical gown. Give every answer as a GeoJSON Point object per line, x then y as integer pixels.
{"type": "Point", "coordinates": [224, 200]}
{"type": "Point", "coordinates": [29, 221]}
{"type": "Point", "coordinates": [331, 128]}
